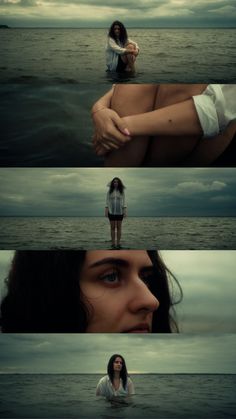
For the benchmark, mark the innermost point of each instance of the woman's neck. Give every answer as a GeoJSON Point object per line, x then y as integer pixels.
{"type": "Point", "coordinates": [116, 375]}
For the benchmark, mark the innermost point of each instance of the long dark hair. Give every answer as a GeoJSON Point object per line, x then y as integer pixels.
{"type": "Point", "coordinates": [164, 318]}
{"type": "Point", "coordinates": [120, 187]}
{"type": "Point", "coordinates": [123, 372]}
{"type": "Point", "coordinates": [123, 38]}
{"type": "Point", "coordinates": [43, 293]}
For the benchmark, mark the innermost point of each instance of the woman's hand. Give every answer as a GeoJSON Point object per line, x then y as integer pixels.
{"type": "Point", "coordinates": [106, 212]}
{"type": "Point", "coordinates": [110, 131]}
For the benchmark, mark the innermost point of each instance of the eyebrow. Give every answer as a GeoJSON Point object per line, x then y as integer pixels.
{"type": "Point", "coordinates": [118, 262]}
{"type": "Point", "coordinates": [110, 261]}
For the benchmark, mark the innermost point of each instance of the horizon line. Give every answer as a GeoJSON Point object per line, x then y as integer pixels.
{"type": "Point", "coordinates": [128, 27]}
{"type": "Point", "coordinates": [131, 373]}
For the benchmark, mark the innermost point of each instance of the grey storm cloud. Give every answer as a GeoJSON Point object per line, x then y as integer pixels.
{"type": "Point", "coordinates": [149, 192]}
{"type": "Point", "coordinates": [135, 12]}
{"type": "Point", "coordinates": [90, 353]}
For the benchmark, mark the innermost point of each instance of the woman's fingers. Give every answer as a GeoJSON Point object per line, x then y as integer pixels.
{"type": "Point", "coordinates": [121, 125]}
{"type": "Point", "coordinates": [110, 127]}
{"type": "Point", "coordinates": [101, 151]}
{"type": "Point", "coordinates": [99, 142]}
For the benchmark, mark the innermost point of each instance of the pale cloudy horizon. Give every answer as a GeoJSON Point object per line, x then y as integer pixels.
{"type": "Point", "coordinates": [89, 353]}
{"type": "Point", "coordinates": [135, 13]}
{"type": "Point", "coordinates": [82, 192]}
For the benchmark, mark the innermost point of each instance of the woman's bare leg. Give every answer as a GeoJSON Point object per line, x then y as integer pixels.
{"type": "Point", "coordinates": [113, 232]}
{"type": "Point", "coordinates": [209, 149]}
{"type": "Point", "coordinates": [129, 59]}
{"type": "Point", "coordinates": [131, 99]}
{"type": "Point", "coordinates": [169, 150]}
{"type": "Point", "coordinates": [118, 225]}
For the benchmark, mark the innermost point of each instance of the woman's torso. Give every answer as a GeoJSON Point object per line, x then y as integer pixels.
{"type": "Point", "coordinates": [108, 390]}
{"type": "Point", "coordinates": [116, 202]}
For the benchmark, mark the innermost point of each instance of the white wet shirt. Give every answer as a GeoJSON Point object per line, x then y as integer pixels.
{"type": "Point", "coordinates": [115, 202]}
{"type": "Point", "coordinates": [106, 389]}
{"type": "Point", "coordinates": [216, 108]}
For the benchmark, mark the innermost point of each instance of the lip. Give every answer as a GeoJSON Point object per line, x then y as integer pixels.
{"type": "Point", "coordinates": [139, 328]}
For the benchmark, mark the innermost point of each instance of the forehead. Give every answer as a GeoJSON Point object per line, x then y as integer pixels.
{"type": "Point", "coordinates": [116, 27]}
{"type": "Point", "coordinates": [118, 359]}
{"type": "Point", "coordinates": [134, 258]}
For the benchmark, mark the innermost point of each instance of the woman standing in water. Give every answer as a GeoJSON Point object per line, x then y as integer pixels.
{"type": "Point", "coordinates": [116, 209]}
{"type": "Point", "coordinates": [121, 52]}
{"type": "Point", "coordinates": [117, 381]}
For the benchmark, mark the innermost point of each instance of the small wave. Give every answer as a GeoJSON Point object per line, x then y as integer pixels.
{"type": "Point", "coordinates": [65, 81]}
{"type": "Point", "coordinates": [23, 79]}
{"type": "Point", "coordinates": [161, 54]}
{"type": "Point", "coordinates": [40, 81]}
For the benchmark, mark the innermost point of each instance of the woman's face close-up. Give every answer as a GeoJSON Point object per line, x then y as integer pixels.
{"type": "Point", "coordinates": [115, 285]}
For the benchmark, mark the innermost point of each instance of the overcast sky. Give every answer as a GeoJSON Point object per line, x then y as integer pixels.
{"type": "Point", "coordinates": [208, 282]}
{"type": "Point", "coordinates": [66, 353]}
{"type": "Point", "coordinates": [150, 192]}
{"type": "Point", "coordinates": [134, 13]}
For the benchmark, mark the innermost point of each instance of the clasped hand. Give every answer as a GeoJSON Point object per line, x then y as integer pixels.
{"type": "Point", "coordinates": [110, 131]}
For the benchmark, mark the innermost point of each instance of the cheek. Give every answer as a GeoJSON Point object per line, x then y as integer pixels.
{"type": "Point", "coordinates": [107, 313]}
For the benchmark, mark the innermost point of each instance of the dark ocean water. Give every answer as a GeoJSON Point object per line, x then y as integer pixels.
{"type": "Point", "coordinates": [47, 125]}
{"type": "Point", "coordinates": [49, 79]}
{"type": "Point", "coordinates": [157, 396]}
{"type": "Point", "coordinates": [78, 56]}
{"type": "Point", "coordinates": [138, 233]}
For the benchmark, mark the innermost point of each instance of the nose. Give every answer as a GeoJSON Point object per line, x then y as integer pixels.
{"type": "Point", "coordinates": [142, 298]}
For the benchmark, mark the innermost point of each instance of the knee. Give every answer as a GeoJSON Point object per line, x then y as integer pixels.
{"type": "Point", "coordinates": [131, 47]}
{"type": "Point", "coordinates": [169, 94]}
{"type": "Point", "coordinates": [113, 227]}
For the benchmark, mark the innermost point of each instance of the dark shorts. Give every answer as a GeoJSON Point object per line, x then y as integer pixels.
{"type": "Point", "coordinates": [115, 217]}
{"type": "Point", "coordinates": [120, 66]}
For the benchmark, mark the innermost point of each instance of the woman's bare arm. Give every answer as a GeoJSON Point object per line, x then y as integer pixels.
{"type": "Point", "coordinates": [178, 119]}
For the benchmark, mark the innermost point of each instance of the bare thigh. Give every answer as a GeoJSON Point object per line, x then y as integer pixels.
{"type": "Point", "coordinates": [168, 150]}
{"type": "Point", "coordinates": [131, 99]}
{"type": "Point", "coordinates": [112, 224]}
{"type": "Point", "coordinates": [119, 223]}
{"type": "Point", "coordinates": [209, 149]}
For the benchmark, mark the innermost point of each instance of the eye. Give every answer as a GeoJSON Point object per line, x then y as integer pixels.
{"type": "Point", "coordinates": [110, 277]}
